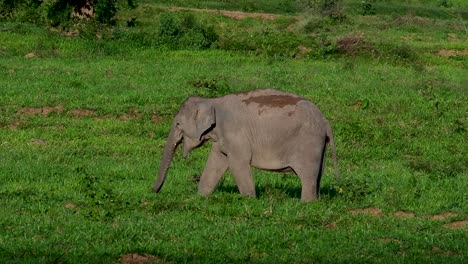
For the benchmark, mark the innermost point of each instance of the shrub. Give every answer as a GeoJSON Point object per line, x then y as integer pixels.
{"type": "Point", "coordinates": [21, 10]}
{"type": "Point", "coordinates": [61, 12]}
{"type": "Point", "coordinates": [355, 45]}
{"type": "Point", "coordinates": [331, 9]}
{"type": "Point", "coordinates": [367, 8]}
{"type": "Point", "coordinates": [105, 11]}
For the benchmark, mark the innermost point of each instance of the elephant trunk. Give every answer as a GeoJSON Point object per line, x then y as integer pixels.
{"type": "Point", "coordinates": [171, 145]}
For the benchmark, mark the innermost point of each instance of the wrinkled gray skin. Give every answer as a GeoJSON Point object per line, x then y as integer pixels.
{"type": "Point", "coordinates": [267, 129]}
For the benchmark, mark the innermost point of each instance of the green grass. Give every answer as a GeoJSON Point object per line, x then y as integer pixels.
{"type": "Point", "coordinates": [75, 183]}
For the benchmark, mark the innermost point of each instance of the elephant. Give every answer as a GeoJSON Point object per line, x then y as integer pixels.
{"type": "Point", "coordinates": [265, 128]}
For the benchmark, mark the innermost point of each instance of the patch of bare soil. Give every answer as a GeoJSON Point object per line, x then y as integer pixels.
{"type": "Point", "coordinates": [132, 114]}
{"type": "Point", "coordinates": [16, 124]}
{"type": "Point", "coordinates": [104, 117]}
{"type": "Point", "coordinates": [46, 110]}
{"type": "Point", "coordinates": [404, 214]}
{"type": "Point", "coordinates": [389, 240]}
{"type": "Point", "coordinates": [302, 51]}
{"type": "Point", "coordinates": [80, 113]}
{"type": "Point", "coordinates": [442, 252]}
{"type": "Point", "coordinates": [70, 205]}
{"type": "Point", "coordinates": [136, 258]}
{"type": "Point", "coordinates": [38, 141]}
{"type": "Point", "coordinates": [232, 14]}
{"type": "Point", "coordinates": [30, 55]}
{"type": "Point", "coordinates": [457, 224]}
{"type": "Point", "coordinates": [374, 211]}
{"type": "Point", "coordinates": [450, 53]}
{"type": "Point", "coordinates": [443, 216]}
{"type": "Point", "coordinates": [156, 119]}
{"type": "Point", "coordinates": [412, 20]}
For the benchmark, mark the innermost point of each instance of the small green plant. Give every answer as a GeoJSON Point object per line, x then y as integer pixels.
{"type": "Point", "coordinates": [210, 87]}
{"type": "Point", "coordinates": [324, 47]}
{"type": "Point", "coordinates": [353, 189]}
{"type": "Point", "coordinates": [21, 10]}
{"type": "Point", "coordinates": [105, 11]}
{"type": "Point", "coordinates": [445, 3]}
{"type": "Point", "coordinates": [367, 8]}
{"type": "Point", "coordinates": [331, 9]}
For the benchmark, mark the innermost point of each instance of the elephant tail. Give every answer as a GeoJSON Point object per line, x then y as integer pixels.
{"type": "Point", "coordinates": [331, 142]}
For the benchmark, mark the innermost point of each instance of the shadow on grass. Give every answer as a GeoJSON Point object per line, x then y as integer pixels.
{"type": "Point", "coordinates": [291, 192]}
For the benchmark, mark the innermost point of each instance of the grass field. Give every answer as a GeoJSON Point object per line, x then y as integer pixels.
{"type": "Point", "coordinates": [84, 117]}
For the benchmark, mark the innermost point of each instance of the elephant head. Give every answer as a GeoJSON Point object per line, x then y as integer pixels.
{"type": "Point", "coordinates": [195, 119]}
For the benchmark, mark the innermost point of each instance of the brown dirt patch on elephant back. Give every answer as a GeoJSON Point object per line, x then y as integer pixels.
{"type": "Point", "coordinates": [45, 111]}
{"type": "Point", "coordinates": [136, 258]}
{"type": "Point", "coordinates": [457, 224]}
{"type": "Point", "coordinates": [450, 53]}
{"type": "Point", "coordinates": [403, 214]}
{"type": "Point", "coordinates": [273, 100]}
{"type": "Point", "coordinates": [442, 216]}
{"type": "Point", "coordinates": [374, 211]}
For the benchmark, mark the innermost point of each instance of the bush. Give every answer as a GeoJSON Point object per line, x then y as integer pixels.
{"type": "Point", "coordinates": [367, 8]}
{"type": "Point", "coordinates": [105, 11]}
{"type": "Point", "coordinates": [61, 12]}
{"type": "Point", "coordinates": [332, 9]}
{"type": "Point", "coordinates": [21, 10]}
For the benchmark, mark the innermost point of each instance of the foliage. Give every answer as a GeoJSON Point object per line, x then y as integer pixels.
{"type": "Point", "coordinates": [331, 9]}
{"type": "Point", "coordinates": [84, 121]}
{"type": "Point", "coordinates": [185, 32]}
{"type": "Point", "coordinates": [21, 10]}
{"type": "Point", "coordinates": [106, 10]}
{"type": "Point", "coordinates": [61, 12]}
{"type": "Point", "coordinates": [367, 8]}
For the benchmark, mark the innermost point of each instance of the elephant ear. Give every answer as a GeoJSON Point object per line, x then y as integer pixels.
{"type": "Point", "coordinates": [204, 118]}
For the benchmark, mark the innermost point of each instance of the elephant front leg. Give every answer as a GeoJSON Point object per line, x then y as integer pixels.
{"type": "Point", "coordinates": [215, 168]}
{"type": "Point", "coordinates": [242, 174]}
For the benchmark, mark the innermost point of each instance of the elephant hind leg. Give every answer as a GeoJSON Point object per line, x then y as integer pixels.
{"type": "Point", "coordinates": [310, 172]}
{"type": "Point", "coordinates": [309, 189]}
{"type": "Point", "coordinates": [322, 168]}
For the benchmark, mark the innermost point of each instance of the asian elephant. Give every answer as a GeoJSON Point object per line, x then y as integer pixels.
{"type": "Point", "coordinates": [267, 129]}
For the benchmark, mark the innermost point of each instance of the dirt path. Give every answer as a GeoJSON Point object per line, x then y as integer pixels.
{"type": "Point", "coordinates": [232, 14]}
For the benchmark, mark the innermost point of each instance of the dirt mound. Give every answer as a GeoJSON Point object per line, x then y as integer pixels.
{"type": "Point", "coordinates": [404, 214]}
{"type": "Point", "coordinates": [132, 114]}
{"type": "Point", "coordinates": [442, 216]}
{"type": "Point", "coordinates": [232, 14]}
{"type": "Point", "coordinates": [389, 240]}
{"type": "Point", "coordinates": [450, 53]}
{"type": "Point", "coordinates": [45, 111]}
{"type": "Point", "coordinates": [374, 211]}
{"type": "Point", "coordinates": [442, 252]}
{"type": "Point", "coordinates": [80, 113]}
{"type": "Point", "coordinates": [457, 224]}
{"type": "Point", "coordinates": [136, 258]}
